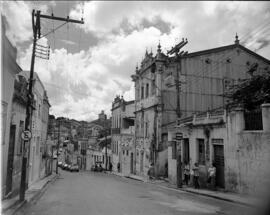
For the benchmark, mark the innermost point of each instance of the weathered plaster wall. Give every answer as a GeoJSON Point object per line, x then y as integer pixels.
{"type": "Point", "coordinates": [162, 159]}
{"type": "Point", "coordinates": [171, 167]}
{"type": "Point", "coordinates": [247, 158]}
{"type": "Point", "coordinates": [18, 114]}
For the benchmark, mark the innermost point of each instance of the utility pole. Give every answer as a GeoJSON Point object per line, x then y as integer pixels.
{"type": "Point", "coordinates": [57, 149]}
{"type": "Point", "coordinates": [175, 50]}
{"type": "Point", "coordinates": [106, 153]}
{"type": "Point", "coordinates": [36, 33]}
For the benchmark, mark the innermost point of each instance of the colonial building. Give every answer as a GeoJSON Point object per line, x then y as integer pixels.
{"type": "Point", "coordinates": [237, 144]}
{"type": "Point", "coordinates": [11, 124]}
{"type": "Point", "coordinates": [40, 113]}
{"type": "Point", "coordinates": [19, 104]}
{"type": "Point", "coordinates": [46, 147]}
{"type": "Point", "coordinates": [122, 135]}
{"type": "Point", "coordinates": [203, 77]}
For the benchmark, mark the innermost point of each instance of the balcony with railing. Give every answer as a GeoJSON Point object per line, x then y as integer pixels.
{"type": "Point", "coordinates": [116, 130]}
{"type": "Point", "coordinates": [208, 117]}
{"type": "Point", "coordinates": [129, 130]}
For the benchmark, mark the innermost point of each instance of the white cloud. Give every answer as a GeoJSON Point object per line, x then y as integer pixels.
{"type": "Point", "coordinates": [19, 19]}
{"type": "Point", "coordinates": [82, 84]}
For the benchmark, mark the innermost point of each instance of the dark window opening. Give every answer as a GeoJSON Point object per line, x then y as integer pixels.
{"type": "Point", "coordinates": [201, 150]}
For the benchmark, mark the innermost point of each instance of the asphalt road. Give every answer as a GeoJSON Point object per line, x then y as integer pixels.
{"type": "Point", "coordinates": [91, 193]}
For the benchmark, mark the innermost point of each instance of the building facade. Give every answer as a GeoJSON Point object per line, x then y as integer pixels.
{"type": "Point", "coordinates": [46, 147]}
{"type": "Point", "coordinates": [122, 136]}
{"type": "Point", "coordinates": [240, 153]}
{"type": "Point", "coordinates": [203, 77]}
{"type": "Point", "coordinates": [10, 128]}
{"type": "Point", "coordinates": [40, 114]}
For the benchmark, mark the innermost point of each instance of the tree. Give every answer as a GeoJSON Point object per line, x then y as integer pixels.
{"type": "Point", "coordinates": [252, 92]}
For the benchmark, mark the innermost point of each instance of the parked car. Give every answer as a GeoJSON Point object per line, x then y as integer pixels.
{"type": "Point", "coordinates": [60, 164]}
{"type": "Point", "coordinates": [93, 168]}
{"type": "Point", "coordinates": [65, 166]}
{"type": "Point", "coordinates": [74, 168]}
{"type": "Point", "coordinates": [69, 167]}
{"type": "Point", "coordinates": [97, 167]}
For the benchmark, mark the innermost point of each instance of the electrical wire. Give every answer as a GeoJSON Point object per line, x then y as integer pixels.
{"type": "Point", "coordinates": [214, 69]}
{"type": "Point", "coordinates": [217, 62]}
{"type": "Point", "coordinates": [53, 30]}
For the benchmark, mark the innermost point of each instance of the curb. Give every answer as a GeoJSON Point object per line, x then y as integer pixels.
{"type": "Point", "coordinates": [198, 193]}
{"type": "Point", "coordinates": [208, 195]}
{"type": "Point", "coordinates": [191, 191]}
{"type": "Point", "coordinates": [40, 192]}
{"type": "Point", "coordinates": [12, 209]}
{"type": "Point", "coordinates": [136, 179]}
{"type": "Point", "coordinates": [221, 198]}
{"type": "Point", "coordinates": [215, 197]}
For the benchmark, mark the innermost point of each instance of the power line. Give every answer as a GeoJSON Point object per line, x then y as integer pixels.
{"type": "Point", "coordinates": [218, 62]}
{"type": "Point", "coordinates": [214, 69]}
{"type": "Point", "coordinates": [52, 31]}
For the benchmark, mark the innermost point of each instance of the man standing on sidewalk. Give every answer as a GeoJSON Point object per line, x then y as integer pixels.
{"type": "Point", "coordinates": [150, 172]}
{"type": "Point", "coordinates": [212, 176]}
{"type": "Point", "coordinates": [196, 175]}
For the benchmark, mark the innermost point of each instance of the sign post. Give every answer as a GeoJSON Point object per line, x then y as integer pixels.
{"type": "Point", "coordinates": [26, 135]}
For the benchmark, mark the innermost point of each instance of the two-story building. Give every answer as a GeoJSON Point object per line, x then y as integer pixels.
{"type": "Point", "coordinates": [122, 135]}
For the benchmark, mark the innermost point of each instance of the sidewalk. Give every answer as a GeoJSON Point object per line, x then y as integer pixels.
{"type": "Point", "coordinates": [10, 206]}
{"type": "Point", "coordinates": [226, 196]}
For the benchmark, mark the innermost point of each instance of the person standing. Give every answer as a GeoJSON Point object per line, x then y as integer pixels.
{"type": "Point", "coordinates": [196, 175]}
{"type": "Point", "coordinates": [110, 166]}
{"type": "Point", "coordinates": [150, 171]}
{"type": "Point", "coordinates": [118, 167]}
{"type": "Point", "coordinates": [186, 173]}
{"type": "Point", "coordinates": [212, 176]}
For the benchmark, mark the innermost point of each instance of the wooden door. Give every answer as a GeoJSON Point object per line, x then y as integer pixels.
{"type": "Point", "coordinates": [219, 163]}
{"type": "Point", "coordinates": [10, 158]}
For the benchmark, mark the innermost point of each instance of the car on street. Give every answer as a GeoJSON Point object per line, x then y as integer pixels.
{"type": "Point", "coordinates": [97, 167]}
{"type": "Point", "coordinates": [93, 168]}
{"type": "Point", "coordinates": [64, 167]}
{"type": "Point", "coordinates": [74, 168]}
{"type": "Point", "coordinates": [69, 167]}
{"type": "Point", "coordinates": [60, 164]}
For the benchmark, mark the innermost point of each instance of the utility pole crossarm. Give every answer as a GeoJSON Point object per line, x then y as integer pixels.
{"type": "Point", "coordinates": [62, 19]}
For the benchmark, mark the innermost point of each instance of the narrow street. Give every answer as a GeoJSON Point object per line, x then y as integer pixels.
{"type": "Point", "coordinates": [98, 193]}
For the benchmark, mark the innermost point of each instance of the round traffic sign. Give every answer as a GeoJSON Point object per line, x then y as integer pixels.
{"type": "Point", "coordinates": [26, 135]}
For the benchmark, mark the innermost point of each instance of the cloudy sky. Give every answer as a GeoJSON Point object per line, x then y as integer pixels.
{"type": "Point", "coordinates": [91, 63]}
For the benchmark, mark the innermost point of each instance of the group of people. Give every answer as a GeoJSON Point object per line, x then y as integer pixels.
{"type": "Point", "coordinates": [193, 173]}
